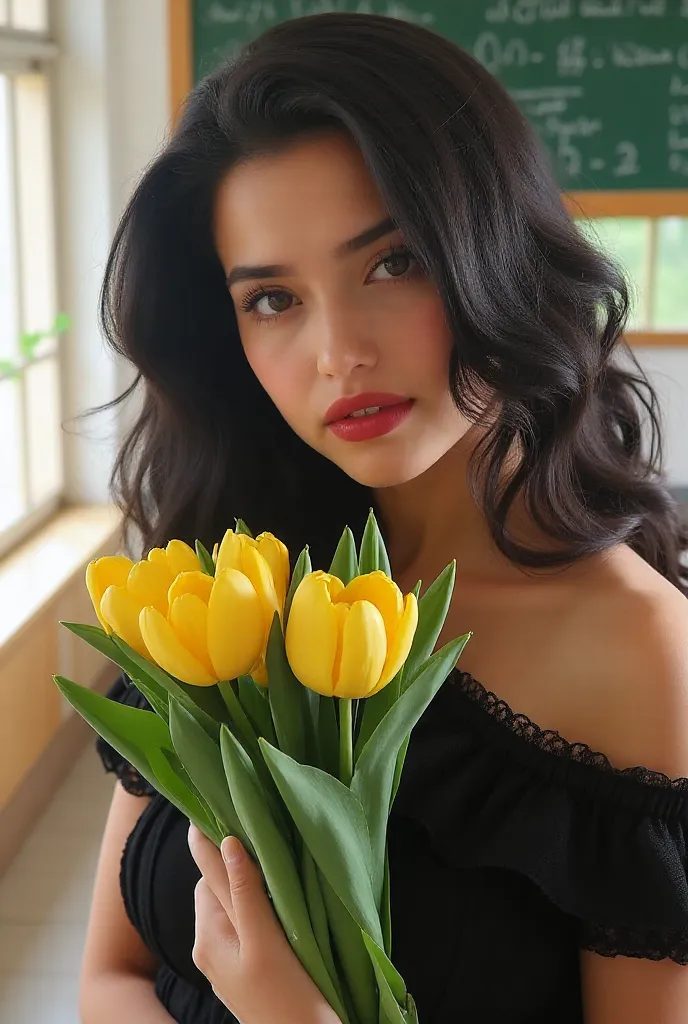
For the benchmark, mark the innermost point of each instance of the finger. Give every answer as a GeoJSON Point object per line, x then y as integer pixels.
{"type": "Point", "coordinates": [254, 918]}
{"type": "Point", "coordinates": [213, 927]}
{"type": "Point", "coordinates": [211, 866]}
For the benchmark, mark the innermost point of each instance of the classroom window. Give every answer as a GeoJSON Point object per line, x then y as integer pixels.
{"type": "Point", "coordinates": [31, 476]}
{"type": "Point", "coordinates": [654, 254]}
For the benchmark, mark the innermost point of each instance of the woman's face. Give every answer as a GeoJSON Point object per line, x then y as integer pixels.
{"type": "Point", "coordinates": [331, 306]}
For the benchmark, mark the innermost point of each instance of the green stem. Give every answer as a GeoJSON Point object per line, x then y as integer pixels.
{"type": "Point", "coordinates": [346, 741]}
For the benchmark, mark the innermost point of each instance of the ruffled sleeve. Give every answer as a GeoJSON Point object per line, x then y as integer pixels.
{"type": "Point", "coordinates": [125, 693]}
{"type": "Point", "coordinates": [606, 846]}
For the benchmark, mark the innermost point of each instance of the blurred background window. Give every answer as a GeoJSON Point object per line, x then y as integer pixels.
{"type": "Point", "coordinates": [653, 251]}
{"type": "Point", "coordinates": [31, 476]}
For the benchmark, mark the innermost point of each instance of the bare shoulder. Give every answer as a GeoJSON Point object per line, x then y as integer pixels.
{"type": "Point", "coordinates": [635, 696]}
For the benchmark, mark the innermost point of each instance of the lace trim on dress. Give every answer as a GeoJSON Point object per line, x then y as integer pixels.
{"type": "Point", "coordinates": [129, 777]}
{"type": "Point", "coordinates": [644, 944]}
{"type": "Point", "coordinates": [552, 742]}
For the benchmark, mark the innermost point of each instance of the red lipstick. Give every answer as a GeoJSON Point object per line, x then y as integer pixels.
{"type": "Point", "coordinates": [366, 416]}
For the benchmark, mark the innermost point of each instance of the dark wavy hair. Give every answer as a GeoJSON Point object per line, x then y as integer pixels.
{"type": "Point", "coordinates": [536, 312]}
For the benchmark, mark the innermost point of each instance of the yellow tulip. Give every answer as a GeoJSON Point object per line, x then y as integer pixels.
{"type": "Point", "coordinates": [120, 588]}
{"type": "Point", "coordinates": [215, 627]}
{"type": "Point", "coordinates": [349, 641]}
{"type": "Point", "coordinates": [265, 560]}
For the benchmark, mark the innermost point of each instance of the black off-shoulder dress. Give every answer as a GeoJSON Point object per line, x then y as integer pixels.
{"type": "Point", "coordinates": [510, 851]}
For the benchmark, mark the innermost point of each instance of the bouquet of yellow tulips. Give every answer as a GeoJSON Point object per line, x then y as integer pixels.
{"type": "Point", "coordinates": [281, 713]}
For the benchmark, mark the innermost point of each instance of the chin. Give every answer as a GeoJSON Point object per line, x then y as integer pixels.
{"type": "Point", "coordinates": [383, 472]}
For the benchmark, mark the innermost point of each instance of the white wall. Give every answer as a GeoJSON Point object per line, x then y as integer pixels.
{"type": "Point", "coordinates": [667, 370]}
{"type": "Point", "coordinates": [113, 107]}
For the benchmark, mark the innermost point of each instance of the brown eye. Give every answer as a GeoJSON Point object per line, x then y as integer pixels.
{"type": "Point", "coordinates": [278, 302]}
{"type": "Point", "coordinates": [397, 264]}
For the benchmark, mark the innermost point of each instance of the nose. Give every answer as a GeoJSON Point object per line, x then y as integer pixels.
{"type": "Point", "coordinates": [343, 344]}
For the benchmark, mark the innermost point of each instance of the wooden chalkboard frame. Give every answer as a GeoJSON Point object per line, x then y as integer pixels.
{"type": "Point", "coordinates": [638, 203]}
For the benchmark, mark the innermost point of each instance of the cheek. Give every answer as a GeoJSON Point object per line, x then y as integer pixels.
{"type": "Point", "coordinates": [283, 378]}
{"type": "Point", "coordinates": [424, 345]}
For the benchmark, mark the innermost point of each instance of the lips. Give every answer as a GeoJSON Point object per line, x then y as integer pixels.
{"type": "Point", "coordinates": [370, 400]}
{"type": "Point", "coordinates": [367, 416]}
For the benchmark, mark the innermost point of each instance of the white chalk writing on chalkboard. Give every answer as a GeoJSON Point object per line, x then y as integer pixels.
{"type": "Point", "coordinates": [633, 55]}
{"type": "Point", "coordinates": [571, 56]}
{"type": "Point", "coordinates": [256, 12]}
{"type": "Point", "coordinates": [527, 12]}
{"type": "Point", "coordinates": [623, 8]}
{"type": "Point", "coordinates": [627, 152]}
{"type": "Point", "coordinates": [249, 12]}
{"type": "Point", "coordinates": [497, 54]}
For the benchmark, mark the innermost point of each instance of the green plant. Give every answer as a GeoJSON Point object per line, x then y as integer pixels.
{"type": "Point", "coordinates": [28, 344]}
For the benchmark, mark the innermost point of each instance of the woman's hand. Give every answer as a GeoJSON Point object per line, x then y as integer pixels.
{"type": "Point", "coordinates": [240, 945]}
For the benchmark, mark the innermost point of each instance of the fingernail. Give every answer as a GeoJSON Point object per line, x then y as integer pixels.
{"type": "Point", "coordinates": [232, 850]}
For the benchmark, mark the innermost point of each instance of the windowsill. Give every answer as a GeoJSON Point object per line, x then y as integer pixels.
{"type": "Point", "coordinates": [40, 567]}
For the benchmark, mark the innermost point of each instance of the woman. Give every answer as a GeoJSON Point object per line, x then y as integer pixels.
{"type": "Point", "coordinates": [349, 279]}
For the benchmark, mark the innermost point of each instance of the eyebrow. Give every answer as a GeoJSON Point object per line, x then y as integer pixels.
{"type": "Point", "coordinates": [367, 237]}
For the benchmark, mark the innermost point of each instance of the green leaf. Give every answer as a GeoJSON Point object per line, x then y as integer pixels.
{"type": "Point", "coordinates": [244, 732]}
{"type": "Point", "coordinates": [333, 826]}
{"type": "Point", "coordinates": [318, 915]}
{"type": "Point", "coordinates": [373, 551]}
{"type": "Point", "coordinates": [359, 986]}
{"type": "Point", "coordinates": [345, 563]}
{"type": "Point", "coordinates": [374, 710]}
{"type": "Point", "coordinates": [374, 775]}
{"type": "Point", "coordinates": [202, 760]}
{"type": "Point", "coordinates": [328, 736]}
{"type": "Point", "coordinates": [242, 726]}
{"type": "Point", "coordinates": [393, 995]}
{"type": "Point", "coordinates": [399, 767]}
{"type": "Point", "coordinates": [311, 703]}
{"type": "Point", "coordinates": [432, 612]}
{"type": "Point", "coordinates": [255, 702]}
{"type": "Point", "coordinates": [143, 739]}
{"type": "Point", "coordinates": [241, 527]}
{"type": "Point", "coordinates": [302, 568]}
{"type": "Point", "coordinates": [190, 696]}
{"type": "Point", "coordinates": [369, 556]}
{"type": "Point", "coordinates": [9, 370]}
{"type": "Point", "coordinates": [149, 678]}
{"type": "Point", "coordinates": [286, 696]}
{"type": "Point", "coordinates": [277, 862]}
{"type": "Point", "coordinates": [205, 558]}
{"type": "Point", "coordinates": [386, 910]}
{"type": "Point", "coordinates": [61, 324]}
{"type": "Point", "coordinates": [28, 343]}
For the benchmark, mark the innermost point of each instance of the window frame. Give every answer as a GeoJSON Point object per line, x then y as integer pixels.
{"type": "Point", "coordinates": [28, 51]}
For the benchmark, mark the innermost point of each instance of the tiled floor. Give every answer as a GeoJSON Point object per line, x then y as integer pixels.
{"type": "Point", "coordinates": [44, 901]}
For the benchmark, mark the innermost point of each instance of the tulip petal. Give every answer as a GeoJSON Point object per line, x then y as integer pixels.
{"type": "Point", "coordinates": [254, 566]}
{"type": "Point", "coordinates": [312, 634]}
{"type": "Point", "coordinates": [381, 591]}
{"type": "Point", "coordinates": [168, 652]}
{"type": "Point", "coordinates": [189, 620]}
{"type": "Point", "coordinates": [236, 625]}
{"type": "Point", "coordinates": [149, 582]}
{"type": "Point", "coordinates": [400, 643]}
{"type": "Point", "coordinates": [364, 649]}
{"type": "Point", "coordinates": [158, 556]}
{"type": "Point", "coordinates": [196, 582]}
{"type": "Point", "coordinates": [259, 673]}
{"type": "Point", "coordinates": [181, 558]}
{"type": "Point", "coordinates": [101, 573]}
{"type": "Point", "coordinates": [229, 552]}
{"type": "Point", "coordinates": [276, 555]}
{"type": "Point", "coordinates": [121, 611]}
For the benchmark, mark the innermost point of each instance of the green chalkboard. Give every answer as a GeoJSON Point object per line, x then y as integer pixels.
{"type": "Point", "coordinates": [605, 82]}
